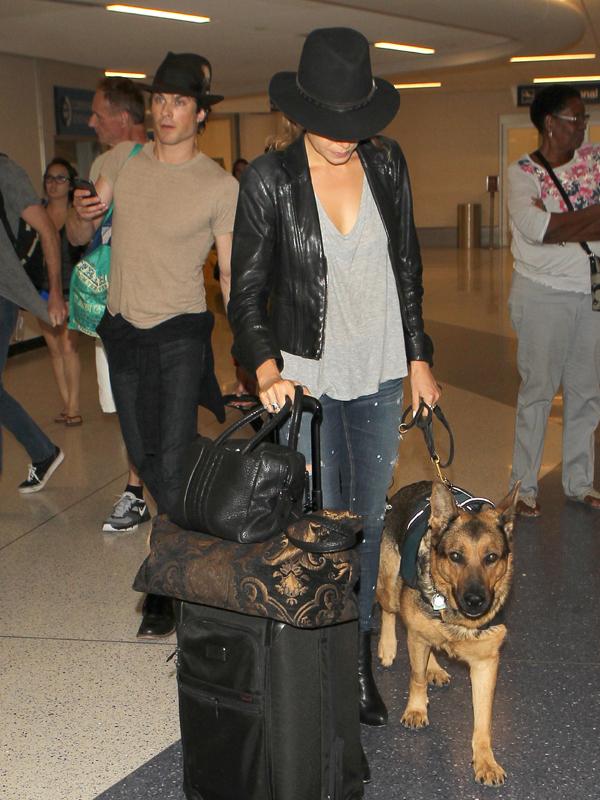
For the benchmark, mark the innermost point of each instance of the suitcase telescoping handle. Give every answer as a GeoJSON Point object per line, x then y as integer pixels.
{"type": "Point", "coordinates": [314, 407]}
{"type": "Point", "coordinates": [305, 403]}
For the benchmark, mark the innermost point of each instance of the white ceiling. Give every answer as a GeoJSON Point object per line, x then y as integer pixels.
{"type": "Point", "coordinates": [248, 40]}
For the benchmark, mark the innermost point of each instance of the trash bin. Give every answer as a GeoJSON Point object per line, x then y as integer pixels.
{"type": "Point", "coordinates": [469, 225]}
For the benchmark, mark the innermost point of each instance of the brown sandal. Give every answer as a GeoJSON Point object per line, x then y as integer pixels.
{"type": "Point", "coordinates": [62, 417]}
{"type": "Point", "coordinates": [74, 421]}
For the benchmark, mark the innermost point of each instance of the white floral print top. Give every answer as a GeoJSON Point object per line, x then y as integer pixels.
{"type": "Point", "coordinates": [562, 266]}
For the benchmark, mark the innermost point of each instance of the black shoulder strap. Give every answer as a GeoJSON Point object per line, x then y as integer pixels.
{"type": "Point", "coordinates": [544, 162]}
{"type": "Point", "coordinates": [4, 218]}
{"type": "Point", "coordinates": [5, 222]}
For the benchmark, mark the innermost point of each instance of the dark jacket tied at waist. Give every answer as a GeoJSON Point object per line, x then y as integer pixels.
{"type": "Point", "coordinates": [126, 342]}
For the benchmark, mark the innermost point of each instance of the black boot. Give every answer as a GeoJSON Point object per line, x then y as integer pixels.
{"type": "Point", "coordinates": [372, 708]}
{"type": "Point", "coordinates": [158, 619]}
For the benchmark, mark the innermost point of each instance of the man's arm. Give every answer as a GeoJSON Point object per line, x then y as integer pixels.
{"type": "Point", "coordinates": [223, 244]}
{"type": "Point", "coordinates": [87, 211]}
{"type": "Point", "coordinates": [37, 217]}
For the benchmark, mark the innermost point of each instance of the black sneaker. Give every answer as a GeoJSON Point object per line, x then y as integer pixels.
{"type": "Point", "coordinates": [40, 472]}
{"type": "Point", "coordinates": [127, 514]}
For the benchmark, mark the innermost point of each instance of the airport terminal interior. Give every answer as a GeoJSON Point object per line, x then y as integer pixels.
{"type": "Point", "coordinates": [89, 712]}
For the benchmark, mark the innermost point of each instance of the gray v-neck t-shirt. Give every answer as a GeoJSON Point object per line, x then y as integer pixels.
{"type": "Point", "coordinates": [364, 337]}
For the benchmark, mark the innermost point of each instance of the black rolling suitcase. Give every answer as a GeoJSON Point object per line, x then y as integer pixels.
{"type": "Point", "coordinates": [268, 711]}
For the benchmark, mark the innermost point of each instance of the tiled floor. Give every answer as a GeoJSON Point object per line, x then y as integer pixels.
{"type": "Point", "coordinates": [88, 711]}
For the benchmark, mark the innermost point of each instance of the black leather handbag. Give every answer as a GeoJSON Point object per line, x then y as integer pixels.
{"type": "Point", "coordinates": [305, 575]}
{"type": "Point", "coordinates": [244, 490]}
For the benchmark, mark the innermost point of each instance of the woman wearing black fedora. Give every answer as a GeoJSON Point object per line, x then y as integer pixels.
{"type": "Point", "coordinates": [327, 288]}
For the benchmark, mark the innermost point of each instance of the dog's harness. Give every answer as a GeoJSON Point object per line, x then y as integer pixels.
{"type": "Point", "coordinates": [416, 530]}
{"type": "Point", "coordinates": [419, 522]}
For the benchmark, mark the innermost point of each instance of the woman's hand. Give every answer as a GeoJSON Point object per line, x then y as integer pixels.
{"type": "Point", "coordinates": [423, 385]}
{"type": "Point", "coordinates": [272, 388]}
{"type": "Point", "coordinates": [57, 308]}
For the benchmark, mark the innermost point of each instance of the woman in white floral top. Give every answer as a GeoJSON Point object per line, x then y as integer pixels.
{"type": "Point", "coordinates": [550, 301]}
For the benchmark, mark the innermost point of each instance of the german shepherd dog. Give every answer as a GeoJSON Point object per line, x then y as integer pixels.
{"type": "Point", "coordinates": [462, 577]}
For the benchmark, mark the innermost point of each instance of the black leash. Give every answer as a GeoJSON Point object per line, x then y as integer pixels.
{"type": "Point", "coordinates": [423, 419]}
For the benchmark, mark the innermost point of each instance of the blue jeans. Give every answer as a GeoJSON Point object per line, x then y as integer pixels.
{"type": "Point", "coordinates": [359, 448]}
{"type": "Point", "coordinates": [13, 416]}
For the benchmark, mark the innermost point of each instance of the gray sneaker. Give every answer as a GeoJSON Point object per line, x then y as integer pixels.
{"type": "Point", "coordinates": [127, 514]}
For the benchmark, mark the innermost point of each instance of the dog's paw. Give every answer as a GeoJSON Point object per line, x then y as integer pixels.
{"type": "Point", "coordinates": [415, 719]}
{"type": "Point", "coordinates": [386, 653]}
{"type": "Point", "coordinates": [489, 772]}
{"type": "Point", "coordinates": [438, 677]}
{"type": "Point", "coordinates": [386, 650]}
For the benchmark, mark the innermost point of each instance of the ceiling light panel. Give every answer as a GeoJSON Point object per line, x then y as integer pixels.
{"type": "Point", "coordinates": [430, 85]}
{"type": "Point", "coordinates": [405, 48]}
{"type": "Point", "coordinates": [558, 57]}
{"type": "Point", "coordinates": [569, 79]}
{"type": "Point", "coordinates": [155, 12]}
{"type": "Point", "coordinates": [108, 73]}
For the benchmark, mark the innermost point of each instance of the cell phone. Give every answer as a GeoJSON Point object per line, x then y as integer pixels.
{"type": "Point", "coordinates": [82, 183]}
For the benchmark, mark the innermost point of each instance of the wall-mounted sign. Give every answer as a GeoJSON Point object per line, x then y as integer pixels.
{"type": "Point", "coordinates": [590, 93]}
{"type": "Point", "coordinates": [72, 109]}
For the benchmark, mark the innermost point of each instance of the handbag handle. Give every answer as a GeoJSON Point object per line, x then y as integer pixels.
{"type": "Point", "coordinates": [294, 409]}
{"type": "Point", "coordinates": [275, 421]}
{"type": "Point", "coordinates": [252, 402]}
{"type": "Point", "coordinates": [301, 403]}
{"type": "Point", "coordinates": [338, 538]}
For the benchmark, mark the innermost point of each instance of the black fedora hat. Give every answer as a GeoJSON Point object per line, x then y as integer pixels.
{"type": "Point", "coordinates": [187, 74]}
{"type": "Point", "coordinates": [334, 94]}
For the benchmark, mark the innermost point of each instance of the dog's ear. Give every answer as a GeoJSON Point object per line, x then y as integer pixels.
{"type": "Point", "coordinates": [506, 509]}
{"type": "Point", "coordinates": [443, 509]}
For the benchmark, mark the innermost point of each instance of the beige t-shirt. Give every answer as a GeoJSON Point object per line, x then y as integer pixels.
{"type": "Point", "coordinates": [165, 220]}
{"type": "Point", "coordinates": [96, 168]}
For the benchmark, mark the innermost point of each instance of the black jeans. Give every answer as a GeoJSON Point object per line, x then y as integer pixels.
{"type": "Point", "coordinates": [180, 366]}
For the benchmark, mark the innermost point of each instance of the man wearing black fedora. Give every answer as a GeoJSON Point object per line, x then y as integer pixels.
{"type": "Point", "coordinates": [171, 203]}
{"type": "Point", "coordinates": [327, 286]}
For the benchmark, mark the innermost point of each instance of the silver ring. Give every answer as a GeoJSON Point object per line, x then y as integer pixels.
{"type": "Point", "coordinates": [275, 406]}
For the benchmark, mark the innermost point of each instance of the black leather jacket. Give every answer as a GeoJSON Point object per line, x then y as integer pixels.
{"type": "Point", "coordinates": [279, 271]}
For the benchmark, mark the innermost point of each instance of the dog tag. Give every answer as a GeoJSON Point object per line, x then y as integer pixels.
{"type": "Point", "coordinates": [438, 602]}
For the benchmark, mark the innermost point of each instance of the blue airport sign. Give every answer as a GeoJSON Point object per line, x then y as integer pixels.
{"type": "Point", "coordinates": [72, 109]}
